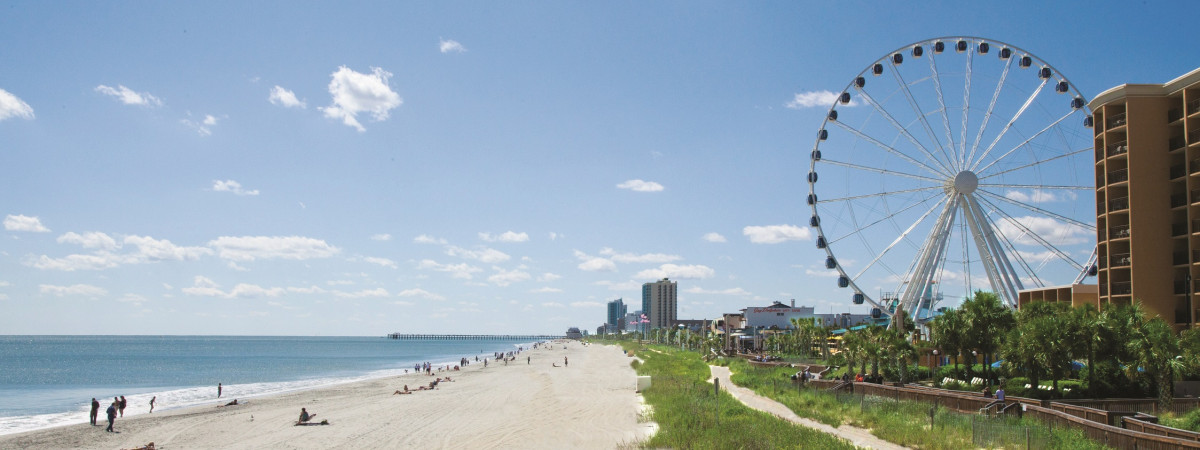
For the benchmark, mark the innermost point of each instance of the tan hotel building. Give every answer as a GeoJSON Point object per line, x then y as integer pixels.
{"type": "Point", "coordinates": [1147, 147]}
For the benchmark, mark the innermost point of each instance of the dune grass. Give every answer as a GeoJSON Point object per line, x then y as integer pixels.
{"type": "Point", "coordinates": [685, 408]}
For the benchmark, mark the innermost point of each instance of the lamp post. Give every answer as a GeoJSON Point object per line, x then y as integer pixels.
{"type": "Point", "coordinates": [933, 361]}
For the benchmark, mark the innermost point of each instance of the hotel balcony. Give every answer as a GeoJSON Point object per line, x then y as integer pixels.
{"type": "Point", "coordinates": [1118, 204]}
{"type": "Point", "coordinates": [1119, 148]}
{"type": "Point", "coordinates": [1125, 259]}
{"type": "Point", "coordinates": [1122, 288]}
{"type": "Point", "coordinates": [1116, 120]}
{"type": "Point", "coordinates": [1119, 232]}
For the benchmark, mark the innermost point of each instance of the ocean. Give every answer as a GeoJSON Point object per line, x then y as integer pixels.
{"type": "Point", "coordinates": [48, 381]}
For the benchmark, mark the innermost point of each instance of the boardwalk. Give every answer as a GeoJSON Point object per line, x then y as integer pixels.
{"type": "Point", "coordinates": [475, 337]}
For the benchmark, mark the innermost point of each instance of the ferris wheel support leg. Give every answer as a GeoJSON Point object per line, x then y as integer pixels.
{"type": "Point", "coordinates": [925, 270]}
{"type": "Point", "coordinates": [999, 269]}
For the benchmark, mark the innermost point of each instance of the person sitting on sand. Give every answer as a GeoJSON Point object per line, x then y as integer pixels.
{"type": "Point", "coordinates": [233, 403]}
{"type": "Point", "coordinates": [405, 391]}
{"type": "Point", "coordinates": [305, 416]}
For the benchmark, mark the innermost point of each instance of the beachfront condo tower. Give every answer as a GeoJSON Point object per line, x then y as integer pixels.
{"type": "Point", "coordinates": [1147, 146]}
{"type": "Point", "coordinates": [658, 299]}
{"type": "Point", "coordinates": [616, 314]}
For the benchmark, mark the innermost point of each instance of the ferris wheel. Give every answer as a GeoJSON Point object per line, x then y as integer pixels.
{"type": "Point", "coordinates": [953, 165]}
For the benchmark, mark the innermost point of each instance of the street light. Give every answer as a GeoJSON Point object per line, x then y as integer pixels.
{"type": "Point", "coordinates": [931, 363]}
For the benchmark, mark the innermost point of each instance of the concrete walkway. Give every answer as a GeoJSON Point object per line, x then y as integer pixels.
{"type": "Point", "coordinates": [858, 436]}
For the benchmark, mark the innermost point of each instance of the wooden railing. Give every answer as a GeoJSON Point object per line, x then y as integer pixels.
{"type": "Point", "coordinates": [1136, 424]}
{"type": "Point", "coordinates": [1098, 424]}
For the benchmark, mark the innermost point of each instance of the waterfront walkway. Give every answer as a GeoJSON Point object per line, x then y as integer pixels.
{"type": "Point", "coordinates": [860, 437]}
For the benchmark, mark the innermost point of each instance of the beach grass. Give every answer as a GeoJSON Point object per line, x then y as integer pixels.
{"type": "Point", "coordinates": [686, 409]}
{"type": "Point", "coordinates": [903, 422]}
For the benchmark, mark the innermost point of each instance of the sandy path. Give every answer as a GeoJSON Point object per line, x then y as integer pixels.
{"type": "Point", "coordinates": [860, 437]}
{"type": "Point", "coordinates": [589, 404]}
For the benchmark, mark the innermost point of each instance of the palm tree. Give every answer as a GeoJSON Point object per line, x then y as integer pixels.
{"type": "Point", "coordinates": [1088, 324]}
{"type": "Point", "coordinates": [1154, 348]}
{"type": "Point", "coordinates": [988, 324]}
{"type": "Point", "coordinates": [949, 334]}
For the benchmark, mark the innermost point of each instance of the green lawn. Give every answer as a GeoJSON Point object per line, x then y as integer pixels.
{"type": "Point", "coordinates": [684, 406]}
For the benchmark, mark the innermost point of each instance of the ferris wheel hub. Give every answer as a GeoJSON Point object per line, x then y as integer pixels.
{"type": "Point", "coordinates": [965, 182]}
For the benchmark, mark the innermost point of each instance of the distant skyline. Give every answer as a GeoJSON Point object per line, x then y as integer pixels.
{"type": "Point", "coordinates": [363, 168]}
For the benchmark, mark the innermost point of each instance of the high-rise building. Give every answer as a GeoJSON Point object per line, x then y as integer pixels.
{"type": "Point", "coordinates": [616, 314]}
{"type": "Point", "coordinates": [1147, 146]}
{"type": "Point", "coordinates": [658, 299]}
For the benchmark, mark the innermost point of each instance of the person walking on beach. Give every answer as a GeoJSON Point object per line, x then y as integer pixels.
{"type": "Point", "coordinates": [218, 390]}
{"type": "Point", "coordinates": [121, 407]}
{"type": "Point", "coordinates": [152, 399]}
{"type": "Point", "coordinates": [95, 410]}
{"type": "Point", "coordinates": [564, 361]}
{"type": "Point", "coordinates": [112, 415]}
{"type": "Point", "coordinates": [527, 360]}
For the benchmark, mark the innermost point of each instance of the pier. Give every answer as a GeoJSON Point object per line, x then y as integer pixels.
{"type": "Point", "coordinates": [475, 337]}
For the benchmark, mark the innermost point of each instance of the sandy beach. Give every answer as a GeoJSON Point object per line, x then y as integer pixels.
{"type": "Point", "coordinates": [588, 404]}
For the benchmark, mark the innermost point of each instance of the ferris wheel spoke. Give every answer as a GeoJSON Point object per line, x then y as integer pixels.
{"type": "Point", "coordinates": [1045, 243]}
{"type": "Point", "coordinates": [1012, 249]}
{"type": "Point", "coordinates": [1027, 141]}
{"type": "Point", "coordinates": [924, 266]}
{"type": "Point", "coordinates": [881, 171]}
{"type": "Point", "coordinates": [859, 229]}
{"type": "Point", "coordinates": [1010, 123]}
{"type": "Point", "coordinates": [898, 239]}
{"type": "Point", "coordinates": [1037, 186]}
{"type": "Point", "coordinates": [889, 149]}
{"type": "Point", "coordinates": [921, 116]}
{"type": "Point", "coordinates": [1085, 226]}
{"type": "Point", "coordinates": [879, 109]}
{"type": "Point", "coordinates": [879, 194]}
{"type": "Point", "coordinates": [990, 109]}
{"type": "Point", "coordinates": [966, 252]}
{"type": "Point", "coordinates": [937, 84]}
{"type": "Point", "coordinates": [966, 103]}
{"type": "Point", "coordinates": [1035, 163]}
{"type": "Point", "coordinates": [992, 256]}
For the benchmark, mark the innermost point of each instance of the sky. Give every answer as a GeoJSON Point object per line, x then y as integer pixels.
{"type": "Point", "coordinates": [361, 168]}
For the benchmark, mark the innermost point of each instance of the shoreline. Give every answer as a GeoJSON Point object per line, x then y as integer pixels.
{"type": "Point", "coordinates": [175, 397]}
{"type": "Point", "coordinates": [589, 403]}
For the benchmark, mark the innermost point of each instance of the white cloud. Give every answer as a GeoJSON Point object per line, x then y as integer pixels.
{"type": "Point", "coordinates": [463, 270]}
{"type": "Point", "coordinates": [714, 237]}
{"type": "Point", "coordinates": [586, 304]}
{"type": "Point", "coordinates": [774, 234]}
{"type": "Point", "coordinates": [811, 99]}
{"type": "Point", "coordinates": [641, 186]}
{"type": "Point", "coordinates": [650, 258]}
{"type": "Point", "coordinates": [677, 271]}
{"type": "Point", "coordinates": [380, 261]}
{"type": "Point", "coordinates": [250, 248]}
{"type": "Point", "coordinates": [285, 98]}
{"type": "Point", "coordinates": [1040, 196]}
{"type": "Point", "coordinates": [129, 96]}
{"type": "Point", "coordinates": [427, 239]}
{"type": "Point", "coordinates": [150, 249]}
{"type": "Point", "coordinates": [69, 263]}
{"type": "Point", "coordinates": [91, 239]}
{"type": "Point", "coordinates": [232, 186]}
{"type": "Point", "coordinates": [307, 290]}
{"type": "Point", "coordinates": [381, 237]}
{"type": "Point", "coordinates": [355, 93]}
{"type": "Point", "coordinates": [204, 126]}
{"type": "Point", "coordinates": [486, 255]}
{"type": "Point", "coordinates": [365, 293]}
{"type": "Point", "coordinates": [552, 305]}
{"type": "Point", "coordinates": [147, 250]}
{"type": "Point", "coordinates": [24, 223]}
{"type": "Point", "coordinates": [730, 291]}
{"type": "Point", "coordinates": [1052, 230]}
{"type": "Point", "coordinates": [450, 46]}
{"type": "Point", "coordinates": [548, 277]}
{"type": "Point", "coordinates": [507, 236]}
{"type": "Point", "coordinates": [205, 287]}
{"type": "Point", "coordinates": [554, 236]}
{"type": "Point", "coordinates": [420, 293]}
{"type": "Point", "coordinates": [505, 277]}
{"type": "Point", "coordinates": [594, 263]}
{"type": "Point", "coordinates": [822, 273]}
{"type": "Point", "coordinates": [76, 289]}
{"type": "Point", "coordinates": [546, 290]}
{"type": "Point", "coordinates": [622, 286]}
{"type": "Point", "coordinates": [11, 106]}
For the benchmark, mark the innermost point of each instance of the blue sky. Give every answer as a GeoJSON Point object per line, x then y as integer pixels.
{"type": "Point", "coordinates": [360, 168]}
